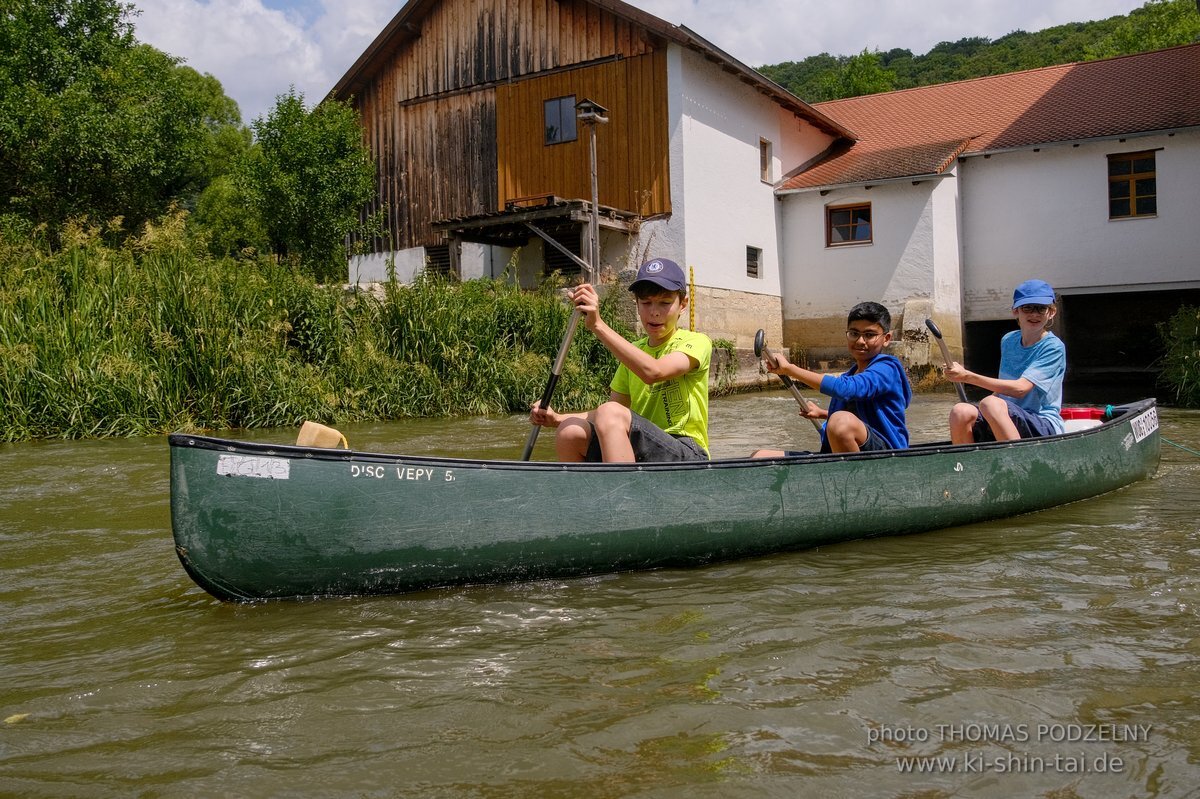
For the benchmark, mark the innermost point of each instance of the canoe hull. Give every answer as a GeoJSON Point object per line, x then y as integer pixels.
{"type": "Point", "coordinates": [255, 521]}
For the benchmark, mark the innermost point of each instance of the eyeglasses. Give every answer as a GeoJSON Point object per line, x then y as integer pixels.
{"type": "Point", "coordinates": [1035, 308]}
{"type": "Point", "coordinates": [866, 335]}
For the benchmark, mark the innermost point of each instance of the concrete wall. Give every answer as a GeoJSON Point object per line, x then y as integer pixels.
{"type": "Point", "coordinates": [1045, 214]}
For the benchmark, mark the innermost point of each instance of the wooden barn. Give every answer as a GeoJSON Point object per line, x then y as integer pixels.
{"type": "Point", "coordinates": [469, 109]}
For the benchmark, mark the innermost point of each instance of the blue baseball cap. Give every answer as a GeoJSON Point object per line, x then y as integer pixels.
{"type": "Point", "coordinates": [663, 273]}
{"type": "Point", "coordinates": [1033, 292]}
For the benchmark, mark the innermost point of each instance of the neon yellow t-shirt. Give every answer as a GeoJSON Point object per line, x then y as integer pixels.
{"type": "Point", "coordinates": [678, 406]}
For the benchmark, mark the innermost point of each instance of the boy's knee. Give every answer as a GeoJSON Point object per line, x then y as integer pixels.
{"type": "Point", "coordinates": [993, 407]}
{"type": "Point", "coordinates": [963, 413]}
{"type": "Point", "coordinates": [842, 421]}
{"type": "Point", "coordinates": [572, 439]}
{"type": "Point", "coordinates": [573, 430]}
{"type": "Point", "coordinates": [611, 414]}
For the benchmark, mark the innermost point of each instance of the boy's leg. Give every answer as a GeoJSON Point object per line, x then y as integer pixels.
{"type": "Point", "coordinates": [612, 422]}
{"type": "Point", "coordinates": [572, 440]}
{"type": "Point", "coordinates": [962, 423]}
{"type": "Point", "coordinates": [845, 432]}
{"type": "Point", "coordinates": [652, 444]}
{"type": "Point", "coordinates": [1029, 425]}
{"type": "Point", "coordinates": [995, 410]}
{"type": "Point", "coordinates": [768, 453]}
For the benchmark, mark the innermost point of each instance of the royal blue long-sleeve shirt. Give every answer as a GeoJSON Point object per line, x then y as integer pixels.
{"type": "Point", "coordinates": [878, 396]}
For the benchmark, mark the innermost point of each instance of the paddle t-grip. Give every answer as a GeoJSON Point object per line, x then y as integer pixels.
{"type": "Point", "coordinates": [937, 335]}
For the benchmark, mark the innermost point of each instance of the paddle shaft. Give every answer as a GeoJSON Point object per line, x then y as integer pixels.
{"type": "Point", "coordinates": [552, 383]}
{"type": "Point", "coordinates": [791, 384]}
{"type": "Point", "coordinates": [937, 334]}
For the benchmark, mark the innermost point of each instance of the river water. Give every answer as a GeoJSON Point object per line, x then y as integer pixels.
{"type": "Point", "coordinates": [1055, 654]}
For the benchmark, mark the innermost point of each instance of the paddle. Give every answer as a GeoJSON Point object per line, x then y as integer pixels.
{"type": "Point", "coordinates": [937, 334]}
{"type": "Point", "coordinates": [761, 349]}
{"type": "Point", "coordinates": [552, 383]}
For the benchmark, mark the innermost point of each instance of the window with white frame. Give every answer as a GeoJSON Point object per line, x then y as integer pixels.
{"type": "Point", "coordinates": [847, 224]}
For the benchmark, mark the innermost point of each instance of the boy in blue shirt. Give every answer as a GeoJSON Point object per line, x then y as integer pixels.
{"type": "Point", "coordinates": [1027, 395]}
{"type": "Point", "coordinates": [867, 409]}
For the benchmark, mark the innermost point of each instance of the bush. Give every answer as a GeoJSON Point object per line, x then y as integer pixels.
{"type": "Point", "coordinates": [1181, 363]}
{"type": "Point", "coordinates": [158, 336]}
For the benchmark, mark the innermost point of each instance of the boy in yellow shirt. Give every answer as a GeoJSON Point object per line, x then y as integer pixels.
{"type": "Point", "coordinates": [658, 401]}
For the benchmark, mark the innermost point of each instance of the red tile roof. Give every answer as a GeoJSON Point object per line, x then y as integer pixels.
{"type": "Point", "coordinates": [921, 131]}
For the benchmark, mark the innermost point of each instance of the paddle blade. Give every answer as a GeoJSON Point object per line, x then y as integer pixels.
{"type": "Point", "coordinates": [318, 435]}
{"type": "Point", "coordinates": [760, 341]}
{"type": "Point", "coordinates": [937, 333]}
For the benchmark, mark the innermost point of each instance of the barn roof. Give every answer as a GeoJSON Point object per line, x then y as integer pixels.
{"type": "Point", "coordinates": [405, 27]}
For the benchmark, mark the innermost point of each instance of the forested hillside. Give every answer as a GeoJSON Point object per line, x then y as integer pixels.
{"type": "Point", "coordinates": [1157, 24]}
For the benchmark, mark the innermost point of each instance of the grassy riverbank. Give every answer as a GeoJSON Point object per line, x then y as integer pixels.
{"type": "Point", "coordinates": [156, 337]}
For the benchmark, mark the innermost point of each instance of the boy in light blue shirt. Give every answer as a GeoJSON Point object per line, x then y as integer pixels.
{"type": "Point", "coordinates": [1027, 394]}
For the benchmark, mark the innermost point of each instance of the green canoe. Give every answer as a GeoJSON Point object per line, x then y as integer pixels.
{"type": "Point", "coordinates": [257, 521]}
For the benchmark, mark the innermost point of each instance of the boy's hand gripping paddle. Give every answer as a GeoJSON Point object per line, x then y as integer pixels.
{"type": "Point", "coordinates": [552, 383]}
{"type": "Point", "coordinates": [761, 349]}
{"type": "Point", "coordinates": [937, 334]}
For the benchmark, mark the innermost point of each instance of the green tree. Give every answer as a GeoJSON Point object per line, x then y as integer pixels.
{"type": "Point", "coordinates": [92, 123]}
{"type": "Point", "coordinates": [802, 78]}
{"type": "Point", "coordinates": [1157, 24]}
{"type": "Point", "coordinates": [228, 220]}
{"type": "Point", "coordinates": [859, 75]}
{"type": "Point", "coordinates": [310, 176]}
{"type": "Point", "coordinates": [226, 139]}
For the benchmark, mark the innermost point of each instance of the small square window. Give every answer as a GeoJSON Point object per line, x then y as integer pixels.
{"type": "Point", "coordinates": [560, 120]}
{"type": "Point", "coordinates": [1132, 185]}
{"type": "Point", "coordinates": [848, 224]}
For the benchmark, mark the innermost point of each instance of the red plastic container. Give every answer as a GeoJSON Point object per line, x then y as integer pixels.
{"type": "Point", "coordinates": [1081, 418]}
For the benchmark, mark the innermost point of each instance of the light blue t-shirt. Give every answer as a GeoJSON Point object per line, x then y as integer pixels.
{"type": "Point", "coordinates": [1044, 364]}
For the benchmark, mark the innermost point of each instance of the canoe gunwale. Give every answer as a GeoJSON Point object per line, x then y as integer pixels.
{"type": "Point", "coordinates": [358, 456]}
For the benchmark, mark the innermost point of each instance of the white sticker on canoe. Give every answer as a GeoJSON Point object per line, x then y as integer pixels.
{"type": "Point", "coordinates": [1145, 424]}
{"type": "Point", "coordinates": [254, 466]}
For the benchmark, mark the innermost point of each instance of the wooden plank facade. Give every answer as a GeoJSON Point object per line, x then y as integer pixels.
{"type": "Point", "coordinates": [451, 99]}
{"type": "Point", "coordinates": [631, 150]}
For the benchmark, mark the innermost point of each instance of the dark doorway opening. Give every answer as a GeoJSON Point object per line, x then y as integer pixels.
{"type": "Point", "coordinates": [1112, 339]}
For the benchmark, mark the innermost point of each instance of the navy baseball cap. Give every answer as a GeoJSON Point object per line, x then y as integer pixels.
{"type": "Point", "coordinates": [663, 273]}
{"type": "Point", "coordinates": [1033, 292]}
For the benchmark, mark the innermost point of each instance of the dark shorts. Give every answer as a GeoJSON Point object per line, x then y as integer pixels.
{"type": "Point", "coordinates": [874, 443]}
{"type": "Point", "coordinates": [650, 444]}
{"type": "Point", "coordinates": [1029, 425]}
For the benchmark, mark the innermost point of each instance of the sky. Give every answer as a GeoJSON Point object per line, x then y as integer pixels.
{"type": "Point", "coordinates": [259, 49]}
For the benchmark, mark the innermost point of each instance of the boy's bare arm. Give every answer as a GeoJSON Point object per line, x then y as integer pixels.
{"type": "Point", "coordinates": [1016, 389]}
{"type": "Point", "coordinates": [782, 366]}
{"type": "Point", "coordinates": [649, 369]}
{"type": "Point", "coordinates": [548, 417]}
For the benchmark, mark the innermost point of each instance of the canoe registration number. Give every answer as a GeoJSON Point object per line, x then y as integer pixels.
{"type": "Point", "coordinates": [253, 466]}
{"type": "Point", "coordinates": [401, 472]}
{"type": "Point", "coordinates": [1144, 424]}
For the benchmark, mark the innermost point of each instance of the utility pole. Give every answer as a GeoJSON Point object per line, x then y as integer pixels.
{"type": "Point", "coordinates": [592, 114]}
